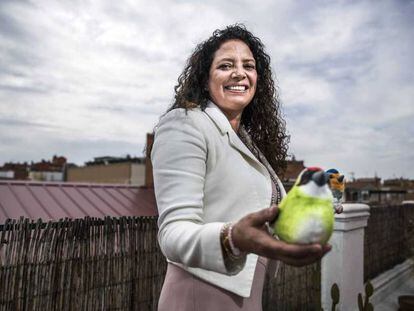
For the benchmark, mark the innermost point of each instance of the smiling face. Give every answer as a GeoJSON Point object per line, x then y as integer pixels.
{"type": "Point", "coordinates": [232, 78]}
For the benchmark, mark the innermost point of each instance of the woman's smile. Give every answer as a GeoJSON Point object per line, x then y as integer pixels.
{"type": "Point", "coordinates": [236, 88]}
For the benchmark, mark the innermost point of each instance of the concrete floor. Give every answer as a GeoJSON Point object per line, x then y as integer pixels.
{"type": "Point", "coordinates": [390, 303]}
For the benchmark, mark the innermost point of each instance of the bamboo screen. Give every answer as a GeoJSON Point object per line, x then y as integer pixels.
{"type": "Point", "coordinates": [109, 264]}
{"type": "Point", "coordinates": [87, 264]}
{"type": "Point", "coordinates": [293, 289]}
{"type": "Point", "coordinates": [389, 238]}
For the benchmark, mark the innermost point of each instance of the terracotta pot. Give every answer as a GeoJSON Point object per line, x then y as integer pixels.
{"type": "Point", "coordinates": [406, 302]}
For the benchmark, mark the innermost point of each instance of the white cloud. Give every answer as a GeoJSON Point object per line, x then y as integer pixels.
{"type": "Point", "coordinates": [358, 119]}
{"type": "Point", "coordinates": [90, 78]}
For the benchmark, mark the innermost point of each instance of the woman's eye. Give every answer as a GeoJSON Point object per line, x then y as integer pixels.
{"type": "Point", "coordinates": [225, 66]}
{"type": "Point", "coordinates": [250, 66]}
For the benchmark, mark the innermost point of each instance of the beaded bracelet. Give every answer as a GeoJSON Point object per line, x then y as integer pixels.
{"type": "Point", "coordinates": [233, 263]}
{"type": "Point", "coordinates": [233, 248]}
{"type": "Point", "coordinates": [224, 239]}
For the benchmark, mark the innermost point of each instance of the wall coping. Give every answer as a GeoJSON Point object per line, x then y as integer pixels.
{"type": "Point", "coordinates": [354, 216]}
{"type": "Point", "coordinates": [353, 208]}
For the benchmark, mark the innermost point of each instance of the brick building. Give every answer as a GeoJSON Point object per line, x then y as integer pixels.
{"type": "Point", "coordinates": [373, 190]}
{"type": "Point", "coordinates": [110, 170]}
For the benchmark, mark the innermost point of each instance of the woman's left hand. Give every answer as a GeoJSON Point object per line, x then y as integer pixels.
{"type": "Point", "coordinates": [250, 235]}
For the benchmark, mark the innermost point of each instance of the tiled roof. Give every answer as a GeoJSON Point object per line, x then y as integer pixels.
{"type": "Point", "coordinates": [53, 201]}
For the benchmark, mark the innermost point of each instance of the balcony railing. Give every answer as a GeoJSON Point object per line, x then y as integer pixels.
{"type": "Point", "coordinates": [116, 263]}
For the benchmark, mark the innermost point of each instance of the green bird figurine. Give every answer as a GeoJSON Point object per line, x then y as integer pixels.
{"type": "Point", "coordinates": [305, 214]}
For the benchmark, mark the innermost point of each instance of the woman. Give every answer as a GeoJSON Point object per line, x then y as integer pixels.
{"type": "Point", "coordinates": [213, 157]}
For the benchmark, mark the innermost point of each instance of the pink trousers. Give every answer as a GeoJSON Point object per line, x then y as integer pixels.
{"type": "Point", "coordinates": [185, 292]}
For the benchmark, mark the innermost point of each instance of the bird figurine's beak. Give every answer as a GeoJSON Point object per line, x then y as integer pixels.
{"type": "Point", "coordinates": [320, 178]}
{"type": "Point", "coordinates": [341, 178]}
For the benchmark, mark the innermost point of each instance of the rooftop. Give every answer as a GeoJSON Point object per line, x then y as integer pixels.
{"type": "Point", "coordinates": [55, 200]}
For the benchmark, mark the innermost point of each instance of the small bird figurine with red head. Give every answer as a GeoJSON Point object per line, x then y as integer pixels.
{"type": "Point", "coordinates": [336, 182]}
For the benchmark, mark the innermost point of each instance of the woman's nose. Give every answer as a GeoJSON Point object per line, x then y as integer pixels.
{"type": "Point", "coordinates": [238, 73]}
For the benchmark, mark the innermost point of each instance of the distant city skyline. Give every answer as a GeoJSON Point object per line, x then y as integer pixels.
{"type": "Point", "coordinates": [89, 79]}
{"type": "Point", "coordinates": [350, 176]}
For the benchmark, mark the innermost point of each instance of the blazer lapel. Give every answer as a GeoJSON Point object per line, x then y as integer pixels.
{"type": "Point", "coordinates": [223, 124]}
{"type": "Point", "coordinates": [240, 146]}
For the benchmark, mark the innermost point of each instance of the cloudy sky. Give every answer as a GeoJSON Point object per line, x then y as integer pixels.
{"type": "Point", "coordinates": [86, 78]}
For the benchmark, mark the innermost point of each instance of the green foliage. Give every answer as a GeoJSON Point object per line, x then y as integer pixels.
{"type": "Point", "coordinates": [369, 289]}
{"type": "Point", "coordinates": [366, 305]}
{"type": "Point", "coordinates": [362, 305]}
{"type": "Point", "coordinates": [335, 296]}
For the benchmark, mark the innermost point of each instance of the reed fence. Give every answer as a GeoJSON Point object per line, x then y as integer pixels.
{"type": "Point", "coordinates": [293, 289]}
{"type": "Point", "coordinates": [108, 264]}
{"type": "Point", "coordinates": [389, 238]}
{"type": "Point", "coordinates": [87, 264]}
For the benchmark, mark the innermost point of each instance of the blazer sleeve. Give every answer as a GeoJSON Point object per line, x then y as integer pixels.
{"type": "Point", "coordinates": [179, 156]}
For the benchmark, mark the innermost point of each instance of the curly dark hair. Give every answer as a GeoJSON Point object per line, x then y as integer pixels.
{"type": "Point", "coordinates": [262, 117]}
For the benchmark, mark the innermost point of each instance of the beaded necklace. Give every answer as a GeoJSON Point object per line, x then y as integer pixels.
{"type": "Point", "coordinates": [247, 140]}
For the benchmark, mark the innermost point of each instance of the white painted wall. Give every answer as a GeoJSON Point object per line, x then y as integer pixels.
{"type": "Point", "coordinates": [46, 176]}
{"type": "Point", "coordinates": [344, 264]}
{"type": "Point", "coordinates": [7, 174]}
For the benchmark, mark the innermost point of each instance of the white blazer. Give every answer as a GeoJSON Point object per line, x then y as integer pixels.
{"type": "Point", "coordinates": [204, 176]}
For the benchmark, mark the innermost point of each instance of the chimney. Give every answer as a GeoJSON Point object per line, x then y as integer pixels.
{"type": "Point", "coordinates": [149, 181]}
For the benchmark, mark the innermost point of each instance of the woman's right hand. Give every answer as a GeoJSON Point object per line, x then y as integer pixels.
{"type": "Point", "coordinates": [250, 235]}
